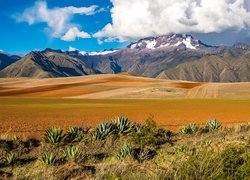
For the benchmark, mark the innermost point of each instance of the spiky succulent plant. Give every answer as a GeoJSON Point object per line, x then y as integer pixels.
{"type": "Point", "coordinates": [125, 151]}
{"type": "Point", "coordinates": [123, 125]}
{"type": "Point", "coordinates": [212, 124]}
{"type": "Point", "coordinates": [53, 135]}
{"type": "Point", "coordinates": [189, 129]}
{"type": "Point", "coordinates": [72, 153]}
{"type": "Point", "coordinates": [48, 158]}
{"type": "Point", "coordinates": [104, 130]}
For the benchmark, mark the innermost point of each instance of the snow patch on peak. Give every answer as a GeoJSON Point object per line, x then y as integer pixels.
{"type": "Point", "coordinates": [150, 44]}
{"type": "Point", "coordinates": [188, 43]}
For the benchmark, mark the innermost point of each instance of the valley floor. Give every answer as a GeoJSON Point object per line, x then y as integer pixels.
{"type": "Point", "coordinates": [29, 106]}
{"type": "Point", "coordinates": [32, 116]}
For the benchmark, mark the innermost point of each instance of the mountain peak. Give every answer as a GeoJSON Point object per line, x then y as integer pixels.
{"type": "Point", "coordinates": [168, 41]}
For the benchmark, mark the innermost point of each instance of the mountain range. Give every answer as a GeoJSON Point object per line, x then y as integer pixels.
{"type": "Point", "coordinates": [176, 56]}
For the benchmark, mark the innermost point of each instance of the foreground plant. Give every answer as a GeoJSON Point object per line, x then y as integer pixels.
{"type": "Point", "coordinates": [72, 153]}
{"type": "Point", "coordinates": [124, 152]}
{"type": "Point", "coordinates": [104, 130]}
{"type": "Point", "coordinates": [212, 125]}
{"type": "Point", "coordinates": [76, 134]}
{"type": "Point", "coordinates": [10, 158]}
{"type": "Point", "coordinates": [53, 135]}
{"type": "Point", "coordinates": [123, 125]}
{"type": "Point", "coordinates": [48, 158]}
{"type": "Point", "coordinates": [189, 129]}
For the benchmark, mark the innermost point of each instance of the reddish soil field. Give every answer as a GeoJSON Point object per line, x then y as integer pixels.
{"type": "Point", "coordinates": [32, 116]}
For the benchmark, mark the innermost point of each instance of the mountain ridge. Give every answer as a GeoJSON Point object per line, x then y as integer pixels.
{"type": "Point", "coordinates": [175, 56]}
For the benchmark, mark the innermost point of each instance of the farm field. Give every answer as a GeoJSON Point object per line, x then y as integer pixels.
{"type": "Point", "coordinates": [32, 116]}
{"type": "Point", "coordinates": [30, 106]}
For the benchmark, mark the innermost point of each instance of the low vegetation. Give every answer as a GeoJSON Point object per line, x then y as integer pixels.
{"type": "Point", "coordinates": [121, 149]}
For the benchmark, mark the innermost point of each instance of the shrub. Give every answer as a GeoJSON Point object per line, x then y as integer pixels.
{"type": "Point", "coordinates": [104, 130]}
{"type": "Point", "coordinates": [235, 162]}
{"type": "Point", "coordinates": [53, 135]}
{"type": "Point", "coordinates": [150, 123]}
{"type": "Point", "coordinates": [142, 154]}
{"type": "Point", "coordinates": [10, 158]}
{"type": "Point", "coordinates": [48, 158]}
{"type": "Point", "coordinates": [123, 125]}
{"type": "Point", "coordinates": [76, 134]}
{"type": "Point", "coordinates": [189, 129]}
{"type": "Point", "coordinates": [72, 153]}
{"type": "Point", "coordinates": [125, 151]}
{"type": "Point", "coordinates": [212, 125]}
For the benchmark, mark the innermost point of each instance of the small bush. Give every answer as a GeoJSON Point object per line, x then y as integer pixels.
{"type": "Point", "coordinates": [53, 135]}
{"type": "Point", "coordinates": [189, 129]}
{"type": "Point", "coordinates": [48, 159]}
{"type": "Point", "coordinates": [142, 154]}
{"type": "Point", "coordinates": [235, 162]}
{"type": "Point", "coordinates": [72, 153]}
{"type": "Point", "coordinates": [125, 151]}
{"type": "Point", "coordinates": [150, 123]}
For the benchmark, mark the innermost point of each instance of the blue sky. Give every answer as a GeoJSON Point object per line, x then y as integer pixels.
{"type": "Point", "coordinates": [94, 25]}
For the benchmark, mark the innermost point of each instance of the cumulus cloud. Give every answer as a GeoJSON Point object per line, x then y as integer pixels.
{"type": "Point", "coordinates": [57, 19]}
{"type": "Point", "coordinates": [133, 19]}
{"type": "Point", "coordinates": [74, 33]}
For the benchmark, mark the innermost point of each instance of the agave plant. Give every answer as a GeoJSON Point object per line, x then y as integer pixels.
{"type": "Point", "coordinates": [104, 130]}
{"type": "Point", "coordinates": [11, 158]}
{"type": "Point", "coordinates": [125, 151]}
{"type": "Point", "coordinates": [123, 125]}
{"type": "Point", "coordinates": [76, 134]}
{"type": "Point", "coordinates": [53, 135]}
{"type": "Point", "coordinates": [48, 158]}
{"type": "Point", "coordinates": [212, 124]}
{"type": "Point", "coordinates": [72, 153]}
{"type": "Point", "coordinates": [189, 129]}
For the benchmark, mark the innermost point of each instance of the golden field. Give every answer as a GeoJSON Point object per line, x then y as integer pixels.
{"type": "Point", "coordinates": [29, 106]}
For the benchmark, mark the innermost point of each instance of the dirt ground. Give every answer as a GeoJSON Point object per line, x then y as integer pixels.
{"type": "Point", "coordinates": [29, 106]}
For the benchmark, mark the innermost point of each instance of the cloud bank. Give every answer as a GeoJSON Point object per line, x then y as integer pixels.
{"type": "Point", "coordinates": [133, 19]}
{"type": "Point", "coordinates": [57, 19]}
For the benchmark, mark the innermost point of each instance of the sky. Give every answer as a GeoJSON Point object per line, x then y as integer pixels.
{"type": "Point", "coordinates": [95, 25]}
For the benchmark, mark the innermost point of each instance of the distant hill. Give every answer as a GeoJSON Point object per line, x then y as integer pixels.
{"type": "Point", "coordinates": [6, 60]}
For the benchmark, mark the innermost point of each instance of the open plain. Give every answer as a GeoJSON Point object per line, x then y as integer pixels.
{"type": "Point", "coordinates": [30, 106]}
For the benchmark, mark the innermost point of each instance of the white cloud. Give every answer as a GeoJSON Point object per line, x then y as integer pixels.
{"type": "Point", "coordinates": [74, 33]}
{"type": "Point", "coordinates": [72, 49]}
{"type": "Point", "coordinates": [133, 19]}
{"type": "Point", "coordinates": [57, 19]}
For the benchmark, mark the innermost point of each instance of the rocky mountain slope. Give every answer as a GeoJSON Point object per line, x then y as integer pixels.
{"type": "Point", "coordinates": [46, 64]}
{"type": "Point", "coordinates": [172, 57]}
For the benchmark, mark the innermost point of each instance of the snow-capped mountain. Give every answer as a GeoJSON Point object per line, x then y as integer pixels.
{"type": "Point", "coordinates": [173, 40]}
